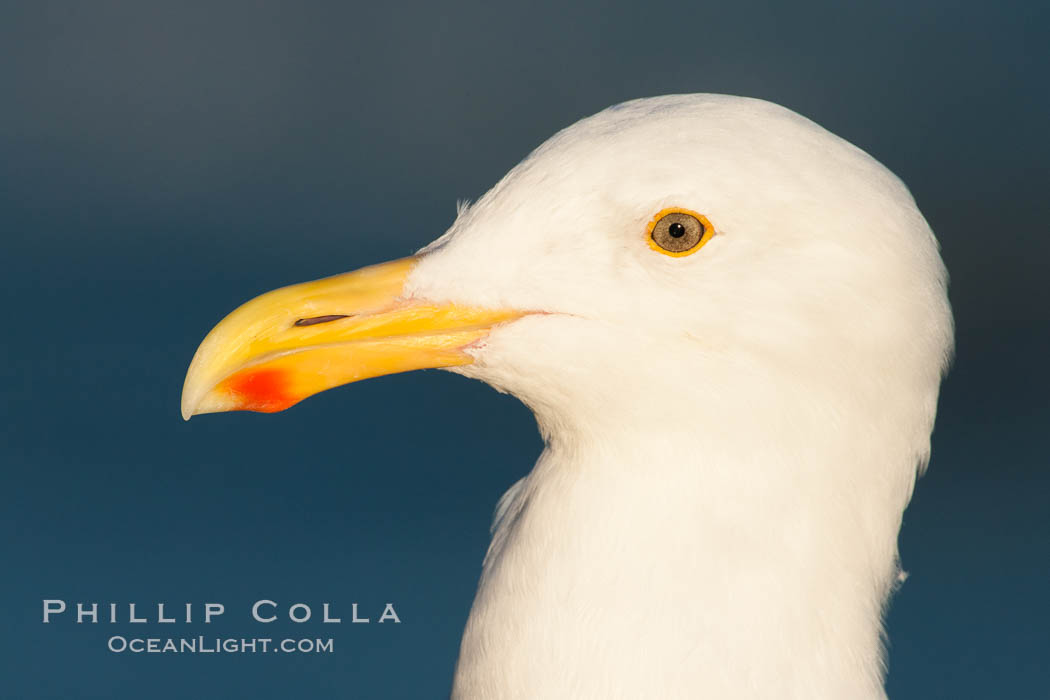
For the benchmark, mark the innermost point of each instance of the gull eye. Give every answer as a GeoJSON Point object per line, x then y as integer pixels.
{"type": "Point", "coordinates": [679, 232]}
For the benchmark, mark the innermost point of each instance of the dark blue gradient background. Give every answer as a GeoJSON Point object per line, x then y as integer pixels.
{"type": "Point", "coordinates": [160, 162]}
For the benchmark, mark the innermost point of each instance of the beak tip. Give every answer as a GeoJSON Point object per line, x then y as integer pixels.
{"type": "Point", "coordinates": [190, 405]}
{"type": "Point", "coordinates": [217, 399]}
{"type": "Point", "coordinates": [188, 409]}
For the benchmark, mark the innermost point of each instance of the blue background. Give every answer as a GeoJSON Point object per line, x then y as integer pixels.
{"type": "Point", "coordinates": [162, 162]}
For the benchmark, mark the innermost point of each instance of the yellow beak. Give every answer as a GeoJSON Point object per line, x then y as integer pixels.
{"type": "Point", "coordinates": [294, 342]}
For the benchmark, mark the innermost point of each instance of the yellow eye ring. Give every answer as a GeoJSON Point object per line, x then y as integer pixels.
{"type": "Point", "coordinates": [678, 232]}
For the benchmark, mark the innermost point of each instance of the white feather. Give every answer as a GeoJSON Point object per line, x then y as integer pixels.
{"type": "Point", "coordinates": [732, 436]}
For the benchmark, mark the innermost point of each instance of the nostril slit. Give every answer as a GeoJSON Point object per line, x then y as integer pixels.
{"type": "Point", "coordinates": [320, 319]}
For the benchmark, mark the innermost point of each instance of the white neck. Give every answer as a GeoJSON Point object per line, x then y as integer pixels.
{"type": "Point", "coordinates": [746, 552]}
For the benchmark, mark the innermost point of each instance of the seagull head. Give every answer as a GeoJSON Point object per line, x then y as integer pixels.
{"type": "Point", "coordinates": [662, 257]}
{"type": "Point", "coordinates": [731, 326]}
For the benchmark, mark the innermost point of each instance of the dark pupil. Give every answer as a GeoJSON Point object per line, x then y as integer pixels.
{"type": "Point", "coordinates": [676, 230]}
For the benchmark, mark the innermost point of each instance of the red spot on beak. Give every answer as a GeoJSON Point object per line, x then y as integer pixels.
{"type": "Point", "coordinates": [262, 390]}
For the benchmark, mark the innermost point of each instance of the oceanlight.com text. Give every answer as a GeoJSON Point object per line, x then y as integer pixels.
{"type": "Point", "coordinates": [218, 645]}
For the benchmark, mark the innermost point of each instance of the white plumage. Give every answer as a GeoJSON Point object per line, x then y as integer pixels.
{"type": "Point", "coordinates": [732, 436]}
{"type": "Point", "coordinates": [732, 433]}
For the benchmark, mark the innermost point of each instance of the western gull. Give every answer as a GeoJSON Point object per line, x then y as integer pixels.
{"type": "Point", "coordinates": [731, 326]}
